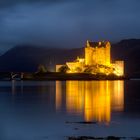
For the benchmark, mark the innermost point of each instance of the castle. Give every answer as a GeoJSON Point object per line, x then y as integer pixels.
{"type": "Point", "coordinates": [97, 60]}
{"type": "Point", "coordinates": [97, 53]}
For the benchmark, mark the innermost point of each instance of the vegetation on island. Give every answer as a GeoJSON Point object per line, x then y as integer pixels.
{"type": "Point", "coordinates": [63, 69]}
{"type": "Point", "coordinates": [42, 69]}
{"type": "Point", "coordinates": [91, 69]}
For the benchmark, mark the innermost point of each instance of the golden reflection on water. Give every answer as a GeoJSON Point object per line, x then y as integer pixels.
{"type": "Point", "coordinates": [97, 102]}
{"type": "Point", "coordinates": [93, 99]}
{"type": "Point", "coordinates": [58, 96]}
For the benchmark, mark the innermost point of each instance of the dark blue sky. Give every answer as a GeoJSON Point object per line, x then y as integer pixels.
{"type": "Point", "coordinates": [67, 23]}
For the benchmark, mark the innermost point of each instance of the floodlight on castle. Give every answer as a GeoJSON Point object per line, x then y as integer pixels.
{"type": "Point", "coordinates": [97, 60]}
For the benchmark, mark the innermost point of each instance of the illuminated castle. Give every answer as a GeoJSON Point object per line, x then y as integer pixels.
{"type": "Point", "coordinates": [97, 60]}
{"type": "Point", "coordinates": [97, 53]}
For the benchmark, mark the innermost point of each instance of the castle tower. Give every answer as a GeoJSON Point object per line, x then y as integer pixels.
{"type": "Point", "coordinates": [100, 55]}
{"type": "Point", "coordinates": [88, 54]}
{"type": "Point", "coordinates": [97, 53]}
{"type": "Point", "coordinates": [107, 54]}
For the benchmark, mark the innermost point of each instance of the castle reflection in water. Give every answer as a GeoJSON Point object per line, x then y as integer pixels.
{"type": "Point", "coordinates": [95, 100]}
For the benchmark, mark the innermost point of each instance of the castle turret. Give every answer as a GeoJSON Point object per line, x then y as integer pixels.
{"type": "Point", "coordinates": [88, 54]}
{"type": "Point", "coordinates": [107, 54]}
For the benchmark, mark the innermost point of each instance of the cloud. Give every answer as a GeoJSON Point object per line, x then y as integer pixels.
{"type": "Point", "coordinates": [6, 3]}
{"type": "Point", "coordinates": [67, 23]}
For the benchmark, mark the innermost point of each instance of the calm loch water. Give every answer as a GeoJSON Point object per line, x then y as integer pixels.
{"type": "Point", "coordinates": [53, 110]}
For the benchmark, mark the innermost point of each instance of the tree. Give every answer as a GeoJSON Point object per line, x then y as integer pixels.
{"type": "Point", "coordinates": [42, 69]}
{"type": "Point", "coordinates": [63, 69]}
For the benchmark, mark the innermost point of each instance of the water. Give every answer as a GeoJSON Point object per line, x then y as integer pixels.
{"type": "Point", "coordinates": [52, 110]}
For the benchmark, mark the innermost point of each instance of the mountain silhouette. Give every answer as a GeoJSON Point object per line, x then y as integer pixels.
{"type": "Point", "coordinates": [27, 58]}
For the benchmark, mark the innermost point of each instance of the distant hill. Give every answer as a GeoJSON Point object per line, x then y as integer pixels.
{"type": "Point", "coordinates": [129, 51]}
{"type": "Point", "coordinates": [27, 58]}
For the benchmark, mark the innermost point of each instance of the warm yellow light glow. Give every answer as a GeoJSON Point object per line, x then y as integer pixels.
{"type": "Point", "coordinates": [69, 71]}
{"type": "Point", "coordinates": [58, 67]}
{"type": "Point", "coordinates": [97, 102]}
{"type": "Point", "coordinates": [74, 96]}
{"type": "Point", "coordinates": [118, 95]}
{"type": "Point", "coordinates": [97, 59]}
{"type": "Point", "coordinates": [93, 99]}
{"type": "Point", "coordinates": [77, 66]}
{"type": "Point", "coordinates": [119, 68]}
{"type": "Point", "coordinates": [58, 96]}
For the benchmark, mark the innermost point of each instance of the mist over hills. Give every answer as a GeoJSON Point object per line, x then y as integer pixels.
{"type": "Point", "coordinates": [27, 58]}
